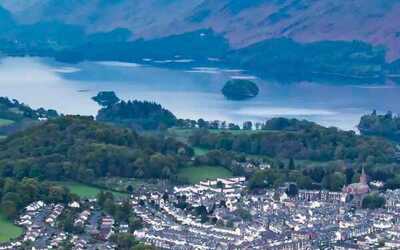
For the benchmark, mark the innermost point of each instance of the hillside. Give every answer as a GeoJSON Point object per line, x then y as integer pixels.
{"type": "Point", "coordinates": [242, 22]}
{"type": "Point", "coordinates": [78, 148]}
{"type": "Point", "coordinates": [16, 116]}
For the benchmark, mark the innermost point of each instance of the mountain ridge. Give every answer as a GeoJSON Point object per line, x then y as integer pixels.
{"type": "Point", "coordinates": [242, 23]}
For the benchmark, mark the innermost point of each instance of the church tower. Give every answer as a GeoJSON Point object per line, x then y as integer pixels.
{"type": "Point", "coordinates": [363, 177]}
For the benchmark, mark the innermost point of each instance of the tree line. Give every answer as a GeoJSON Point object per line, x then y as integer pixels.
{"type": "Point", "coordinates": [16, 194]}
{"type": "Point", "coordinates": [16, 111]}
{"type": "Point", "coordinates": [387, 125]}
{"type": "Point", "coordinates": [313, 143]}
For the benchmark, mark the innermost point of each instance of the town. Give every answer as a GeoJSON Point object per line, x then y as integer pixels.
{"type": "Point", "coordinates": [222, 214]}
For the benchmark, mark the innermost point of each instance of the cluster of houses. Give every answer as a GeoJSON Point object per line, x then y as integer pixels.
{"type": "Point", "coordinates": [57, 210]}
{"type": "Point", "coordinates": [82, 218]}
{"type": "Point", "coordinates": [222, 214]}
{"type": "Point", "coordinates": [41, 231]}
{"type": "Point", "coordinates": [236, 219]}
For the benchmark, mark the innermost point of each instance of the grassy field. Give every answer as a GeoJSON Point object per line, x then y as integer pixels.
{"type": "Point", "coordinates": [184, 134]}
{"type": "Point", "coordinates": [200, 151]}
{"type": "Point", "coordinates": [8, 230]}
{"type": "Point", "coordinates": [85, 191]}
{"type": "Point", "coordinates": [4, 122]}
{"type": "Point", "coordinates": [119, 184]}
{"type": "Point", "coordinates": [196, 174]}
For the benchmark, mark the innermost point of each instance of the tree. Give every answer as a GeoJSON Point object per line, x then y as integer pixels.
{"type": "Point", "coordinates": [165, 196]}
{"type": "Point", "coordinates": [141, 246]}
{"type": "Point", "coordinates": [124, 241]}
{"type": "Point", "coordinates": [129, 189]}
{"type": "Point", "coordinates": [9, 208]}
{"type": "Point", "coordinates": [316, 173]}
{"type": "Point", "coordinates": [109, 206]}
{"type": "Point", "coordinates": [229, 224]}
{"type": "Point", "coordinates": [201, 123]}
{"type": "Point", "coordinates": [243, 214]}
{"type": "Point", "coordinates": [220, 185]}
{"type": "Point", "coordinates": [202, 212]}
{"type": "Point", "coordinates": [135, 223]}
{"type": "Point", "coordinates": [248, 125]}
{"type": "Point", "coordinates": [292, 190]}
{"type": "Point", "coordinates": [334, 181]}
{"type": "Point", "coordinates": [291, 165]}
{"type": "Point", "coordinates": [373, 201]}
{"type": "Point", "coordinates": [106, 98]}
{"type": "Point", "coordinates": [258, 180]}
{"type": "Point", "coordinates": [67, 223]}
{"type": "Point", "coordinates": [349, 172]}
{"type": "Point", "coordinates": [232, 126]}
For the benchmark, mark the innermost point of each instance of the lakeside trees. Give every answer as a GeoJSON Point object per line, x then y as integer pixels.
{"type": "Point", "coordinates": [138, 115]}
{"type": "Point", "coordinates": [387, 125]}
{"type": "Point", "coordinates": [106, 98]}
{"type": "Point", "coordinates": [19, 116]}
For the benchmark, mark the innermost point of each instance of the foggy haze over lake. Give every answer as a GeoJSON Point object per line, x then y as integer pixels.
{"type": "Point", "coordinates": [193, 93]}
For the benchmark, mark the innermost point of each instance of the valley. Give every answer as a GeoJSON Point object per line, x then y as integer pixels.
{"type": "Point", "coordinates": [199, 124]}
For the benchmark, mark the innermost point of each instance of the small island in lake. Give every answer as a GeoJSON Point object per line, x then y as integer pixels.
{"type": "Point", "coordinates": [106, 98]}
{"type": "Point", "coordinates": [239, 89]}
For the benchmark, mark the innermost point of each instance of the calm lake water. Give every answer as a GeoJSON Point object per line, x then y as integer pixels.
{"type": "Point", "coordinates": [193, 93]}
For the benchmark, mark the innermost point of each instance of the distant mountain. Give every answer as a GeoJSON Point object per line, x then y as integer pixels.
{"type": "Point", "coordinates": [243, 23]}
{"type": "Point", "coordinates": [6, 20]}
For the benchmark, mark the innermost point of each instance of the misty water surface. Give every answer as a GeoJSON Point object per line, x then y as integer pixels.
{"type": "Point", "coordinates": [192, 93]}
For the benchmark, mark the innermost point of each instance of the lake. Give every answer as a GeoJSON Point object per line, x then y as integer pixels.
{"type": "Point", "coordinates": [193, 93]}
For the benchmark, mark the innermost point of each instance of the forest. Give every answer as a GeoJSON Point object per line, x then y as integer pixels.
{"type": "Point", "coordinates": [314, 143]}
{"type": "Point", "coordinates": [17, 116]}
{"type": "Point", "coordinates": [141, 115]}
{"type": "Point", "coordinates": [16, 194]}
{"type": "Point", "coordinates": [387, 125]}
{"type": "Point", "coordinates": [81, 149]}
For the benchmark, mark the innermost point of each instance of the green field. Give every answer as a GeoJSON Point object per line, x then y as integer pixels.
{"type": "Point", "coordinates": [184, 134]}
{"type": "Point", "coordinates": [8, 230]}
{"type": "Point", "coordinates": [196, 174]}
{"type": "Point", "coordinates": [85, 191]}
{"type": "Point", "coordinates": [4, 122]}
{"type": "Point", "coordinates": [200, 151]}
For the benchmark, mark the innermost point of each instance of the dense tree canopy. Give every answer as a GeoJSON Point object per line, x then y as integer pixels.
{"type": "Point", "coordinates": [373, 201]}
{"type": "Point", "coordinates": [106, 98]}
{"type": "Point", "coordinates": [386, 125]}
{"type": "Point", "coordinates": [16, 111]}
{"type": "Point", "coordinates": [312, 142]}
{"type": "Point", "coordinates": [238, 89]}
{"type": "Point", "coordinates": [138, 114]}
{"type": "Point", "coordinates": [15, 195]}
{"type": "Point", "coordinates": [81, 149]}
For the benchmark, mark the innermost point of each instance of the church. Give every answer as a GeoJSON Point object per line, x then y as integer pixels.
{"type": "Point", "coordinates": [356, 192]}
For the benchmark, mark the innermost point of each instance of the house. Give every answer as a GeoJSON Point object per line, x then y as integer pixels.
{"type": "Point", "coordinates": [106, 227]}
